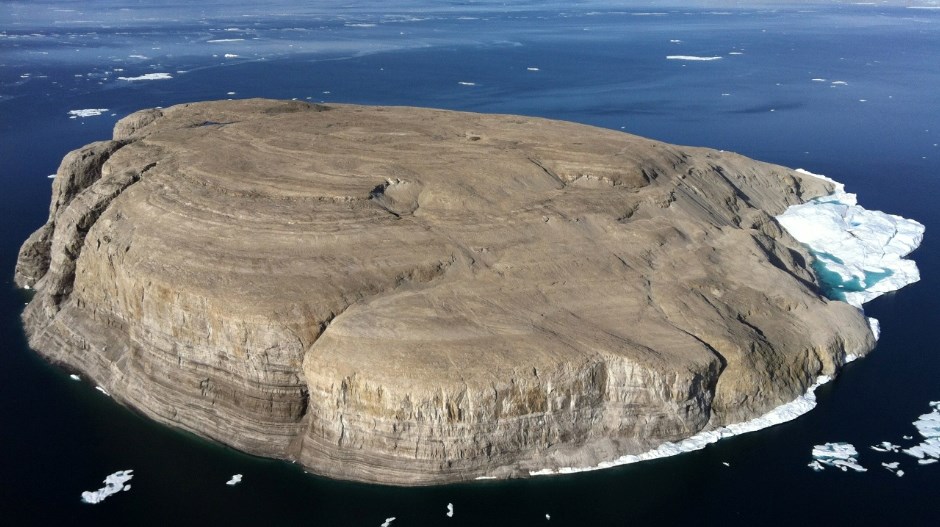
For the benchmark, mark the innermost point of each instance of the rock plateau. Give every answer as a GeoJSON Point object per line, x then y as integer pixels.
{"type": "Point", "coordinates": [414, 296]}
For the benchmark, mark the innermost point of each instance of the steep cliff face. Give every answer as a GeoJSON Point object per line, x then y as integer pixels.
{"type": "Point", "coordinates": [414, 296]}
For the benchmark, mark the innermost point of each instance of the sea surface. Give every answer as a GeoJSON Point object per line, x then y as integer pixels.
{"type": "Point", "coordinates": [849, 91]}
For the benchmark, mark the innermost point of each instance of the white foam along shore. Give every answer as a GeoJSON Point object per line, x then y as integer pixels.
{"type": "Point", "coordinates": [113, 484]}
{"type": "Point", "coordinates": [864, 249]}
{"type": "Point", "coordinates": [781, 414]}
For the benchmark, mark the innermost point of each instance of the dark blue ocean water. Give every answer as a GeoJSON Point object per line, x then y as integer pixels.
{"type": "Point", "coordinates": [876, 130]}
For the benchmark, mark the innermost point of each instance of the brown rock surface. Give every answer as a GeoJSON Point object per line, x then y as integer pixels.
{"type": "Point", "coordinates": [415, 296]}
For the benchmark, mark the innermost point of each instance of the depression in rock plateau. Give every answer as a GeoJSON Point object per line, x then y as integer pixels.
{"type": "Point", "coordinates": [414, 296]}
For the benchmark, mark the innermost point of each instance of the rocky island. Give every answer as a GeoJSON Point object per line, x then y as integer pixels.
{"type": "Point", "coordinates": [413, 296]}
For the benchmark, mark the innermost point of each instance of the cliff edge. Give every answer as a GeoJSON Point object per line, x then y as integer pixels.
{"type": "Point", "coordinates": [414, 296]}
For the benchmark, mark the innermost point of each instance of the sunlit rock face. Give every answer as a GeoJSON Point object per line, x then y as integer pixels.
{"type": "Point", "coordinates": [415, 296]}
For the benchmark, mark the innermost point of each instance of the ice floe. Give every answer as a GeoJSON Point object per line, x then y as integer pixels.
{"type": "Point", "coordinates": [148, 77]}
{"type": "Point", "coordinates": [88, 112]}
{"type": "Point", "coordinates": [113, 484]}
{"type": "Point", "coordinates": [235, 480]}
{"type": "Point", "coordinates": [893, 468]}
{"type": "Point", "coordinates": [859, 252]}
{"type": "Point", "coordinates": [886, 446]}
{"type": "Point", "coordinates": [928, 425]}
{"type": "Point", "coordinates": [691, 57]}
{"type": "Point", "coordinates": [839, 455]}
{"type": "Point", "coordinates": [450, 510]}
{"type": "Point", "coordinates": [781, 414]}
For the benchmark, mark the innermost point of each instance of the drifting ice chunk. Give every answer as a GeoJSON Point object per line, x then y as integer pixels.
{"type": "Point", "coordinates": [929, 427]}
{"type": "Point", "coordinates": [236, 479]}
{"type": "Point", "coordinates": [148, 77]}
{"type": "Point", "coordinates": [839, 455]}
{"type": "Point", "coordinates": [88, 112]}
{"type": "Point", "coordinates": [886, 446]}
{"type": "Point", "coordinates": [859, 253]}
{"type": "Point", "coordinates": [691, 58]}
{"type": "Point", "coordinates": [113, 484]}
{"type": "Point", "coordinates": [893, 468]}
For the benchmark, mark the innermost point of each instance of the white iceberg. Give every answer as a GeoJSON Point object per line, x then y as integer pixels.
{"type": "Point", "coordinates": [838, 455]}
{"type": "Point", "coordinates": [859, 252]}
{"type": "Point", "coordinates": [113, 484]}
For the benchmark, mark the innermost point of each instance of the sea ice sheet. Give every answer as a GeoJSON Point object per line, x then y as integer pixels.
{"type": "Point", "coordinates": [859, 252]}
{"type": "Point", "coordinates": [928, 451]}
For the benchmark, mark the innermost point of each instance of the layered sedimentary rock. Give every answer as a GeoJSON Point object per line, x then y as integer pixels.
{"type": "Point", "coordinates": [414, 296]}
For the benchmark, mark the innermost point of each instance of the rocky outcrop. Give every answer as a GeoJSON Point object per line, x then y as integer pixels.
{"type": "Point", "coordinates": [414, 296]}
